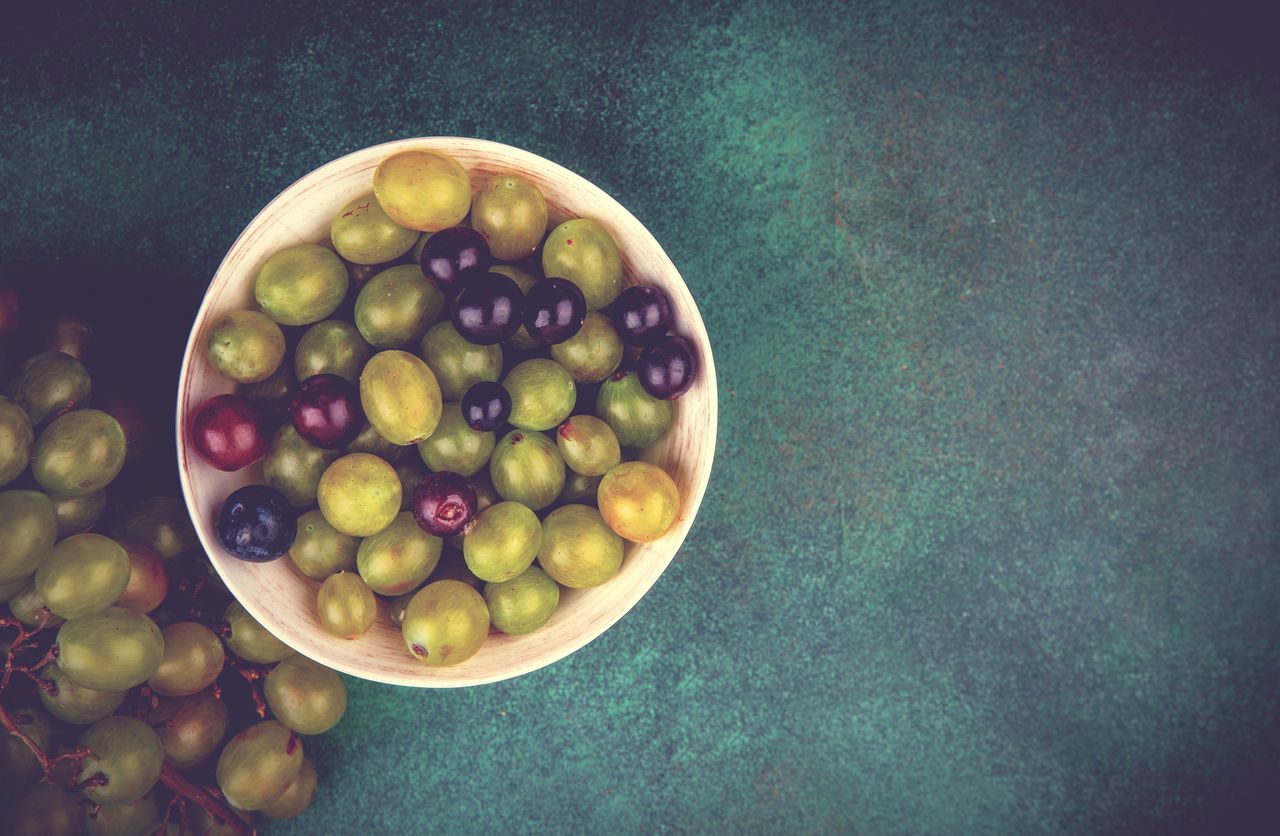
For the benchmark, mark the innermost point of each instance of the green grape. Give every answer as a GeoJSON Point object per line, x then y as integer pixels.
{"type": "Point", "coordinates": [578, 549]}
{"type": "Point", "coordinates": [301, 285]}
{"type": "Point", "coordinates": [127, 752]}
{"type": "Point", "coordinates": [250, 640]}
{"type": "Point", "coordinates": [78, 513]}
{"type": "Point", "coordinates": [456, 363]}
{"type": "Point", "coordinates": [397, 306]}
{"type": "Point", "coordinates": [361, 273]}
{"type": "Point", "coordinates": [502, 542]}
{"type": "Point", "coordinates": [74, 703]}
{"type": "Point", "coordinates": [398, 558]}
{"type": "Point", "coordinates": [273, 393]}
{"type": "Point", "coordinates": [16, 440]}
{"type": "Point", "coordinates": [148, 580]}
{"type": "Point", "coordinates": [140, 817]}
{"type": "Point", "coordinates": [486, 494]}
{"type": "Point", "coordinates": [588, 445]}
{"type": "Point", "coordinates": [638, 419]}
{"type": "Point", "coordinates": [12, 588]}
{"type": "Point", "coordinates": [592, 354]}
{"type": "Point", "coordinates": [582, 251]}
{"type": "Point", "coordinates": [294, 467]}
{"type": "Point", "coordinates": [579, 489]}
{"type": "Point", "coordinates": [415, 254]}
{"type": "Point", "coordinates": [190, 728]}
{"type": "Point", "coordinates": [296, 797]}
{"type": "Point", "coordinates": [455, 446]}
{"type": "Point", "coordinates": [400, 396]}
{"type": "Point", "coordinates": [307, 697]}
{"type": "Point", "coordinates": [112, 650]}
{"type": "Point", "coordinates": [28, 527]}
{"type": "Point", "coordinates": [319, 549]}
{"type": "Point", "coordinates": [359, 494]}
{"type": "Point", "coordinates": [204, 823]}
{"type": "Point", "coordinates": [527, 468]}
{"type": "Point", "coordinates": [410, 472]}
{"type": "Point", "coordinates": [192, 660]}
{"type": "Point", "coordinates": [423, 190]}
{"type": "Point", "coordinates": [83, 574]}
{"type": "Point", "coordinates": [395, 610]}
{"type": "Point", "coordinates": [639, 501]}
{"type": "Point", "coordinates": [245, 346]}
{"type": "Point", "coordinates": [345, 606]}
{"type": "Point", "coordinates": [18, 765]}
{"type": "Point", "coordinates": [79, 453]}
{"type": "Point", "coordinates": [27, 606]}
{"type": "Point", "coordinates": [511, 214]}
{"type": "Point", "coordinates": [525, 280]}
{"type": "Point", "coordinates": [453, 567]}
{"type": "Point", "coordinates": [363, 233]}
{"type": "Point", "coordinates": [161, 524]}
{"type": "Point", "coordinates": [46, 810]}
{"type": "Point", "coordinates": [258, 763]}
{"type": "Point", "coordinates": [542, 394]}
{"type": "Point", "coordinates": [50, 384]}
{"type": "Point", "coordinates": [331, 347]}
{"type": "Point", "coordinates": [445, 623]}
{"type": "Point", "coordinates": [524, 603]}
{"type": "Point", "coordinates": [370, 441]}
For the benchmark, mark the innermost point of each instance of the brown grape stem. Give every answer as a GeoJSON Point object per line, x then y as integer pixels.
{"type": "Point", "coordinates": [176, 781]}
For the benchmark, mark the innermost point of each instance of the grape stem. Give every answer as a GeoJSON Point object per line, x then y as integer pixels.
{"type": "Point", "coordinates": [176, 781]}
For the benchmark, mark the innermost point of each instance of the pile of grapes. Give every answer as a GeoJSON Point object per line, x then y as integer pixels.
{"type": "Point", "coordinates": [134, 692]}
{"type": "Point", "coordinates": [451, 419]}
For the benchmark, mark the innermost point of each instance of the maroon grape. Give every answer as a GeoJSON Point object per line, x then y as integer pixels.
{"type": "Point", "coordinates": [642, 314]}
{"type": "Point", "coordinates": [443, 503]}
{"type": "Point", "coordinates": [487, 308]}
{"type": "Point", "coordinates": [668, 367]}
{"type": "Point", "coordinates": [326, 411]}
{"type": "Point", "coordinates": [257, 523]}
{"type": "Point", "coordinates": [554, 310]}
{"type": "Point", "coordinates": [451, 252]}
{"type": "Point", "coordinates": [486, 405]}
{"type": "Point", "coordinates": [227, 432]}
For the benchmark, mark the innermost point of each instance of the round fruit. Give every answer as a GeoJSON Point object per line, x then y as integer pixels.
{"type": "Point", "coordinates": [227, 431]}
{"type": "Point", "coordinates": [445, 623]}
{"type": "Point", "coordinates": [18, 765]}
{"type": "Point", "coordinates": [330, 347]}
{"type": "Point", "coordinates": [112, 650]}
{"type": "Point", "coordinates": [346, 606]}
{"type": "Point", "coordinates": [161, 524]}
{"type": "Point", "coordinates": [524, 603]}
{"type": "Point", "coordinates": [48, 385]}
{"type": "Point", "coordinates": [307, 697]}
{"type": "Point", "coordinates": [527, 468]}
{"type": "Point", "coordinates": [511, 214]}
{"type": "Point", "coordinates": [443, 504]}
{"type": "Point", "coordinates": [542, 394]}
{"type": "Point", "coordinates": [12, 588]}
{"type": "Point", "coordinates": [133, 422]}
{"type": "Point", "coordinates": [190, 728]}
{"type": "Point", "coordinates": [294, 467]}
{"type": "Point", "coordinates": [638, 419]}
{"type": "Point", "coordinates": [319, 550]}
{"type": "Point", "coordinates": [578, 549]}
{"type": "Point", "coordinates": [449, 253]}
{"type": "Point", "coordinates": [207, 824]}
{"type": "Point", "coordinates": [326, 411]}
{"type": "Point", "coordinates": [70, 335]}
{"type": "Point", "coordinates": [28, 528]}
{"type": "Point", "coordinates": [148, 580]}
{"type": "Point", "coordinates": [127, 754]}
{"type": "Point", "coordinates": [642, 314]}
{"type": "Point", "coordinates": [457, 363]}
{"type": "Point", "coordinates": [46, 810]}
{"type": "Point", "coordinates": [593, 353]}
{"type": "Point", "coordinates": [554, 310]}
{"type": "Point", "coordinates": [258, 763]}
{"type": "Point", "coordinates": [639, 501]}
{"type": "Point", "coordinates": [28, 607]}
{"type": "Point", "coordinates": [454, 445]}
{"type": "Point", "coordinates": [583, 252]}
{"type": "Point", "coordinates": [400, 397]}
{"type": "Point", "coordinates": [668, 368]}
{"type": "Point", "coordinates": [359, 494]}
{"type": "Point", "coordinates": [487, 307]}
{"type": "Point", "coordinates": [453, 567]}
{"type": "Point", "coordinates": [193, 658]}
{"type": "Point", "coordinates": [398, 558]}
{"type": "Point", "coordinates": [245, 346]}
{"type": "Point", "coordinates": [364, 234]}
{"type": "Point", "coordinates": [588, 445]}
{"type": "Point", "coordinates": [410, 472]}
{"type": "Point", "coordinates": [296, 797]}
{"type": "Point", "coordinates": [74, 703]}
{"type": "Point", "coordinates": [250, 640]}
{"type": "Point", "coordinates": [142, 816]}
{"type": "Point", "coordinates": [423, 190]}
{"type": "Point", "coordinates": [83, 574]}
{"type": "Point", "coordinates": [525, 281]}
{"type": "Point", "coordinates": [79, 453]}
{"type": "Point", "coordinates": [301, 285]}
{"type": "Point", "coordinates": [503, 542]}
{"type": "Point", "coordinates": [16, 441]}
{"type": "Point", "coordinates": [397, 306]}
{"type": "Point", "coordinates": [368, 440]}
{"type": "Point", "coordinates": [485, 406]}
{"type": "Point", "coordinates": [78, 513]}
{"type": "Point", "coordinates": [257, 524]}
{"type": "Point", "coordinates": [271, 394]}
{"type": "Point", "coordinates": [579, 489]}
{"type": "Point", "coordinates": [395, 610]}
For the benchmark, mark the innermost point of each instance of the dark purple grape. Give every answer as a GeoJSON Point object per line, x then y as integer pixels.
{"type": "Point", "coordinates": [443, 503]}
{"type": "Point", "coordinates": [486, 308]}
{"type": "Point", "coordinates": [485, 406]}
{"type": "Point", "coordinates": [642, 314]}
{"type": "Point", "coordinates": [668, 367]}
{"type": "Point", "coordinates": [554, 310]}
{"type": "Point", "coordinates": [257, 524]}
{"type": "Point", "coordinates": [451, 252]}
{"type": "Point", "coordinates": [326, 411]}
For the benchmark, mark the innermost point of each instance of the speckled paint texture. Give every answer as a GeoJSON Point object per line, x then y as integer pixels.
{"type": "Point", "coordinates": [991, 542]}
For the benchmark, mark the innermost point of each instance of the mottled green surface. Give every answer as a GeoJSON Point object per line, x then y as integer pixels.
{"type": "Point", "coordinates": [991, 541]}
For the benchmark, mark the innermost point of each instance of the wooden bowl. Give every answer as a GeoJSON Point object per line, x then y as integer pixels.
{"type": "Point", "coordinates": [280, 596]}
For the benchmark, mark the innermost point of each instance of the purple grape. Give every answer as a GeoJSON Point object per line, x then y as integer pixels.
{"type": "Point", "coordinates": [668, 367]}
{"type": "Point", "coordinates": [451, 252]}
{"type": "Point", "coordinates": [443, 503]}
{"type": "Point", "coordinates": [642, 314]}
{"type": "Point", "coordinates": [257, 524]}
{"type": "Point", "coordinates": [326, 411]}
{"type": "Point", "coordinates": [486, 308]}
{"type": "Point", "coordinates": [485, 406]}
{"type": "Point", "coordinates": [554, 310]}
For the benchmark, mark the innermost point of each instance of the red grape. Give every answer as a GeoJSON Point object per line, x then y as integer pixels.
{"type": "Point", "coordinates": [326, 411]}
{"type": "Point", "coordinates": [227, 432]}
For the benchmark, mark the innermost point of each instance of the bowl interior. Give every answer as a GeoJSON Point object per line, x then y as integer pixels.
{"type": "Point", "coordinates": [280, 596]}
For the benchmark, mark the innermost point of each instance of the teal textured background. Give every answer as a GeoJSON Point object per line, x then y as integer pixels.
{"type": "Point", "coordinates": [991, 542]}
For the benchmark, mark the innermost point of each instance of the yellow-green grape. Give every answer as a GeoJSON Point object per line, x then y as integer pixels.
{"type": "Point", "coordinates": [578, 549]}
{"type": "Point", "coordinates": [301, 285]}
{"type": "Point", "coordinates": [28, 607]}
{"type": "Point", "coordinates": [395, 610]}
{"type": "Point", "coordinates": [415, 254]}
{"type": "Point", "coordinates": [638, 419]}
{"type": "Point", "coordinates": [127, 753]}
{"type": "Point", "coordinates": [50, 384]}
{"type": "Point", "coordinates": [582, 251]}
{"type": "Point", "coordinates": [359, 494]}
{"type": "Point", "coordinates": [502, 542]}
{"type": "Point", "coordinates": [410, 472]}
{"type": "Point", "coordinates": [639, 501]}
{"type": "Point", "coordinates": [78, 513]}
{"type": "Point", "coordinates": [83, 574]}
{"type": "Point", "coordinates": [79, 453]}
{"type": "Point", "coordinates": [305, 696]}
{"type": "Point", "coordinates": [588, 445]}
{"type": "Point", "coordinates": [74, 703]}
{"type": "Point", "coordinates": [272, 394]}
{"type": "Point", "coordinates": [319, 549]}
{"type": "Point", "coordinates": [445, 623]}
{"type": "Point", "coordinates": [161, 524]}
{"type": "Point", "coordinates": [524, 603]}
{"type": "Point", "coordinates": [258, 763]}
{"type": "Point", "coordinates": [455, 446]}
{"type": "Point", "coordinates": [423, 190]}
{"type": "Point", "coordinates": [296, 797]}
{"type": "Point", "coordinates": [250, 640]}
{"type": "Point", "coordinates": [511, 214]}
{"type": "Point", "coordinates": [18, 764]}
{"type": "Point", "coordinates": [112, 650]}
{"type": "Point", "coordinates": [542, 394]}
{"type": "Point", "coordinates": [294, 467]}
{"type": "Point", "coordinates": [12, 588]}
{"type": "Point", "coordinates": [16, 440]}
{"type": "Point", "coordinates": [28, 528]}
{"type": "Point", "coordinates": [192, 660]}
{"type": "Point", "coordinates": [330, 347]}
{"type": "Point", "coordinates": [363, 233]}
{"type": "Point", "coordinates": [346, 606]}
{"type": "Point", "coordinates": [456, 363]}
{"type": "Point", "coordinates": [45, 810]}
{"type": "Point", "coordinates": [526, 468]}
{"type": "Point", "coordinates": [397, 306]}
{"type": "Point", "coordinates": [190, 728]}
{"type": "Point", "coordinates": [579, 489]}
{"type": "Point", "coordinates": [592, 354]}
{"type": "Point", "coordinates": [245, 346]}
{"type": "Point", "coordinates": [399, 557]}
{"type": "Point", "coordinates": [400, 397]}
{"type": "Point", "coordinates": [525, 280]}
{"type": "Point", "coordinates": [141, 816]}
{"type": "Point", "coordinates": [371, 441]}
{"type": "Point", "coordinates": [206, 824]}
